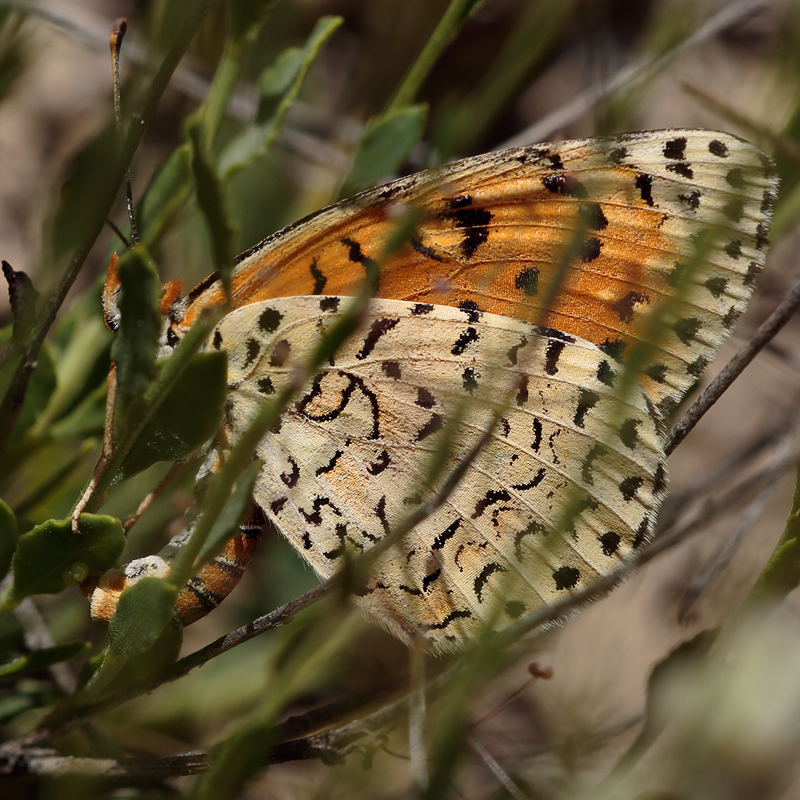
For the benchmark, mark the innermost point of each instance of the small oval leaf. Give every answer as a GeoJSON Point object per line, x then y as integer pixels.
{"type": "Point", "coordinates": [44, 553]}
{"type": "Point", "coordinates": [188, 416]}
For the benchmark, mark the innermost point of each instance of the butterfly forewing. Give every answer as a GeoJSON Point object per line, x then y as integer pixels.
{"type": "Point", "coordinates": [592, 237]}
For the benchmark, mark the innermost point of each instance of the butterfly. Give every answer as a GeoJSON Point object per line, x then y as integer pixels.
{"type": "Point", "coordinates": [533, 282]}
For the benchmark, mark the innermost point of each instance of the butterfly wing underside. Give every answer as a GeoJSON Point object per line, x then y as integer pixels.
{"type": "Point", "coordinates": [567, 485]}
{"type": "Point", "coordinates": [656, 235]}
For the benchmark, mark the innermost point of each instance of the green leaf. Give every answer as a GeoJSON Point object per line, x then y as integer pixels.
{"type": "Point", "coordinates": [232, 513]}
{"type": "Point", "coordinates": [86, 419]}
{"type": "Point", "coordinates": [279, 85]}
{"type": "Point", "coordinates": [188, 417]}
{"type": "Point", "coordinates": [386, 144]}
{"type": "Point", "coordinates": [139, 332]}
{"type": "Point", "coordinates": [41, 659]}
{"type": "Point", "coordinates": [144, 610]}
{"type": "Point", "coordinates": [211, 199]}
{"type": "Point", "coordinates": [166, 194]}
{"type": "Point", "coordinates": [8, 537]}
{"type": "Point", "coordinates": [40, 388]}
{"type": "Point", "coordinates": [83, 197]}
{"type": "Point", "coordinates": [45, 553]}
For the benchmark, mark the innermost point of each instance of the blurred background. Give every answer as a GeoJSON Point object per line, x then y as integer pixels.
{"type": "Point", "coordinates": [516, 70]}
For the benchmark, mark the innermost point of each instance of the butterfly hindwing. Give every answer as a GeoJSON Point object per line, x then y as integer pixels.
{"type": "Point", "coordinates": [563, 490]}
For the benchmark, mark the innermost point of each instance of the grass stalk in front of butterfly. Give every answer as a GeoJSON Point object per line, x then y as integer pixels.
{"type": "Point", "coordinates": [106, 194]}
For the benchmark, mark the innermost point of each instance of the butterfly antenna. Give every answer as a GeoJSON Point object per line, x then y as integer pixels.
{"type": "Point", "coordinates": [115, 41]}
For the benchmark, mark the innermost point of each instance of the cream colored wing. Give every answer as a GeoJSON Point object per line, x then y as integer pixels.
{"type": "Point", "coordinates": [568, 485]}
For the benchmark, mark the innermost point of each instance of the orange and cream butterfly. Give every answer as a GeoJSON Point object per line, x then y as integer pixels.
{"type": "Point", "coordinates": [534, 282]}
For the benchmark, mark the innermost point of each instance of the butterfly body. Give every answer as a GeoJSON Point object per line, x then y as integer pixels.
{"type": "Point", "coordinates": [530, 278]}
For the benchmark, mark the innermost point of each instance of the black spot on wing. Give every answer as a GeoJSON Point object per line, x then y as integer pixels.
{"type": "Point", "coordinates": [716, 285]}
{"type": "Point", "coordinates": [734, 248]}
{"type": "Point", "coordinates": [253, 349]}
{"type": "Point", "coordinates": [470, 378]}
{"type": "Point", "coordinates": [590, 249]}
{"type": "Point", "coordinates": [617, 155]}
{"type": "Point", "coordinates": [565, 185]}
{"type": "Point", "coordinates": [329, 303]}
{"type": "Point", "coordinates": [691, 200]}
{"type": "Point", "coordinates": [532, 529]}
{"type": "Point", "coordinates": [424, 398]}
{"type": "Point", "coordinates": [380, 327]}
{"type": "Point", "coordinates": [628, 433]}
{"type": "Point", "coordinates": [537, 435]}
{"type": "Point", "coordinates": [269, 320]}
{"type": "Point", "coordinates": [331, 463]}
{"type": "Point", "coordinates": [470, 308]}
{"type": "Point", "coordinates": [528, 280]}
{"type": "Point", "coordinates": [610, 542]}
{"type": "Point", "coordinates": [433, 425]}
{"type": "Point", "coordinates": [605, 373]}
{"type": "Point", "coordinates": [593, 216]}
{"type": "Point", "coordinates": [532, 483]}
{"type": "Point", "coordinates": [424, 250]}
{"type": "Point", "coordinates": [566, 578]}
{"type": "Point", "coordinates": [587, 400]}
{"type": "Point", "coordinates": [418, 309]}
{"type": "Point", "coordinates": [280, 353]}
{"type": "Point", "coordinates": [644, 183]}
{"type": "Point", "coordinates": [682, 169]}
{"type": "Point", "coordinates": [480, 582]}
{"type": "Point", "coordinates": [319, 279]}
{"type": "Point", "coordinates": [265, 385]}
{"type": "Point", "coordinates": [464, 340]}
{"type": "Point", "coordinates": [630, 486]}
{"type": "Point", "coordinates": [513, 351]}
{"type": "Point", "coordinates": [490, 498]}
{"type": "Point", "coordinates": [441, 540]}
{"type": "Point", "coordinates": [624, 307]}
{"type": "Point", "coordinates": [290, 478]}
{"type": "Point", "coordinates": [379, 465]}
{"type": "Point", "coordinates": [675, 148]}
{"type": "Point", "coordinates": [552, 354]}
{"type": "Point", "coordinates": [718, 148]}
{"type": "Point", "coordinates": [392, 369]}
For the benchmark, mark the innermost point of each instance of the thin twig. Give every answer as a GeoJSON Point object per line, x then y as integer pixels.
{"type": "Point", "coordinates": [152, 496]}
{"type": "Point", "coordinates": [765, 332]}
{"type": "Point", "coordinates": [499, 773]}
{"type": "Point", "coordinates": [544, 129]}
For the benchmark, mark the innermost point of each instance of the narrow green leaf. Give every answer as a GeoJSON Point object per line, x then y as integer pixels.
{"type": "Point", "coordinates": [143, 612]}
{"type": "Point", "coordinates": [8, 537]}
{"type": "Point", "coordinates": [137, 341]}
{"type": "Point", "coordinates": [40, 389]}
{"type": "Point", "coordinates": [211, 199]}
{"type": "Point", "coordinates": [166, 194]}
{"type": "Point", "coordinates": [233, 512]}
{"type": "Point", "coordinates": [781, 575]}
{"type": "Point", "coordinates": [44, 554]}
{"type": "Point", "coordinates": [279, 86]}
{"type": "Point", "coordinates": [187, 418]}
{"type": "Point", "coordinates": [46, 657]}
{"type": "Point", "coordinates": [387, 143]}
